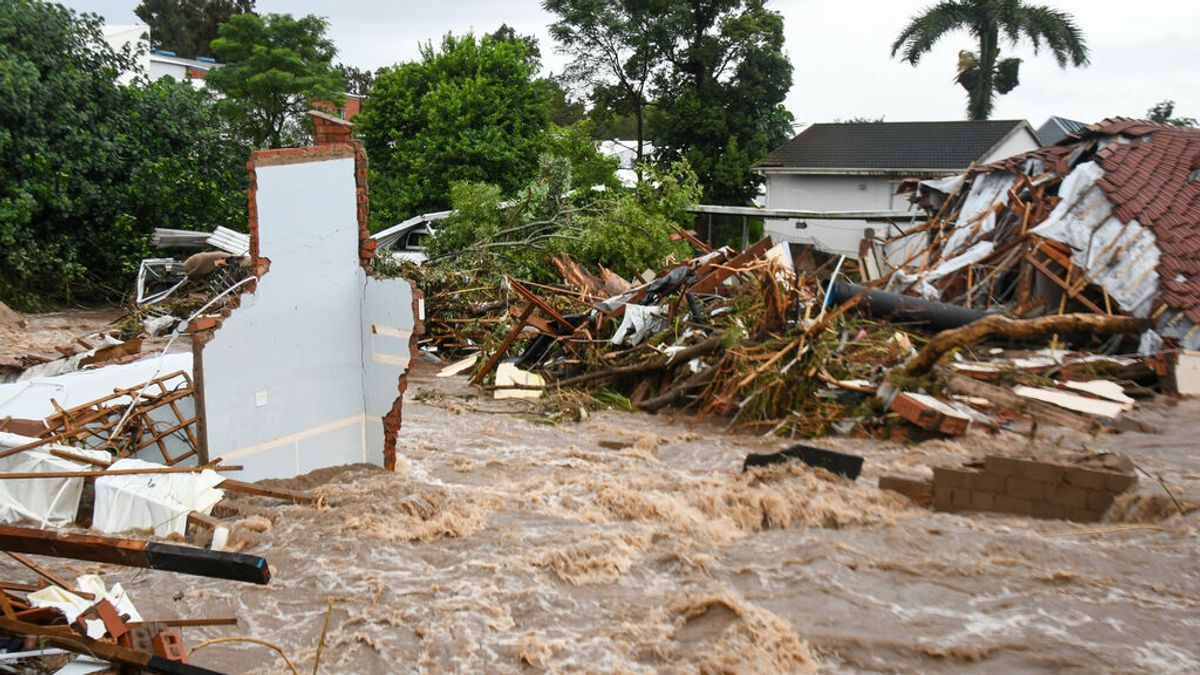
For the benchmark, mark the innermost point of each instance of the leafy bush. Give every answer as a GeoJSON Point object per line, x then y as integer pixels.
{"type": "Point", "coordinates": [626, 231]}
{"type": "Point", "coordinates": [88, 167]}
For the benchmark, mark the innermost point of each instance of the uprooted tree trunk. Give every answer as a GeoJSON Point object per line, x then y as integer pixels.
{"type": "Point", "coordinates": [708, 346]}
{"type": "Point", "coordinates": [1002, 326]}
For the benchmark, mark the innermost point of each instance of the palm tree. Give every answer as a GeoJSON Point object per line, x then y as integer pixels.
{"type": "Point", "coordinates": [984, 74]}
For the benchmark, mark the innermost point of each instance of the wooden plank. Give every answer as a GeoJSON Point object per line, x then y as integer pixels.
{"type": "Point", "coordinates": [505, 345]}
{"type": "Point", "coordinates": [710, 282]}
{"type": "Point", "coordinates": [48, 575]}
{"type": "Point", "coordinates": [135, 553]}
{"type": "Point", "coordinates": [115, 472]}
{"type": "Point", "coordinates": [1074, 402]}
{"type": "Point", "coordinates": [1005, 398]}
{"type": "Point", "coordinates": [294, 496]}
{"type": "Point", "coordinates": [541, 304]}
{"type": "Point", "coordinates": [184, 623]}
{"type": "Point", "coordinates": [70, 640]}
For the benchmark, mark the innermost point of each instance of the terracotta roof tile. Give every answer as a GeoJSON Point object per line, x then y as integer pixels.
{"type": "Point", "coordinates": [1147, 181]}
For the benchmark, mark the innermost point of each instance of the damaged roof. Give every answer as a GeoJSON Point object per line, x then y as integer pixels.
{"type": "Point", "coordinates": [1155, 180]}
{"type": "Point", "coordinates": [914, 147]}
{"type": "Point", "coordinates": [1151, 176]}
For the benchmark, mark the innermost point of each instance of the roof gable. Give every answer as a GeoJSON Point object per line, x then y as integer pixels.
{"type": "Point", "coordinates": [890, 146]}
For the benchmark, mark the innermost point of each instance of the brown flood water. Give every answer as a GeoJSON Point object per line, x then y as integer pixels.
{"type": "Point", "coordinates": [506, 546]}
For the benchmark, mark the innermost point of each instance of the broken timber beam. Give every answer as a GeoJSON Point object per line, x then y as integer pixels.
{"type": "Point", "coordinates": [70, 640]}
{"type": "Point", "coordinates": [293, 496]}
{"type": "Point", "coordinates": [505, 345]}
{"type": "Point", "coordinates": [135, 553]}
{"type": "Point", "coordinates": [116, 472]}
{"type": "Point", "coordinates": [996, 324]}
{"type": "Point", "coordinates": [1043, 413]}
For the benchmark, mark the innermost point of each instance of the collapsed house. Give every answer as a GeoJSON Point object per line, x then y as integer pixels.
{"type": "Point", "coordinates": [298, 360]}
{"type": "Point", "coordinates": [306, 369]}
{"type": "Point", "coordinates": [299, 352]}
{"type": "Point", "coordinates": [1104, 222]}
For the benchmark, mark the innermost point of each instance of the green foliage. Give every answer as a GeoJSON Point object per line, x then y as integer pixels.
{"type": "Point", "coordinates": [1163, 112]}
{"type": "Point", "coordinates": [616, 54]}
{"type": "Point", "coordinates": [705, 79]}
{"type": "Point", "coordinates": [625, 231]}
{"type": "Point", "coordinates": [89, 167]}
{"type": "Point", "coordinates": [983, 73]}
{"type": "Point", "coordinates": [358, 81]}
{"type": "Point", "coordinates": [276, 67]}
{"type": "Point", "coordinates": [721, 105]}
{"type": "Point", "coordinates": [469, 111]}
{"type": "Point", "coordinates": [187, 27]}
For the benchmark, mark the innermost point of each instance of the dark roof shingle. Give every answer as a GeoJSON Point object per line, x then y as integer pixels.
{"type": "Point", "coordinates": [905, 146]}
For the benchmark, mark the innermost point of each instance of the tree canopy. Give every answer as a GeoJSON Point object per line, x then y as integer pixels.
{"type": "Point", "coordinates": [89, 167]}
{"type": "Point", "coordinates": [188, 27]}
{"type": "Point", "coordinates": [616, 55]}
{"type": "Point", "coordinates": [276, 67]}
{"type": "Point", "coordinates": [704, 78]}
{"type": "Point", "coordinates": [983, 73]}
{"type": "Point", "coordinates": [625, 231]}
{"type": "Point", "coordinates": [1163, 112]}
{"type": "Point", "coordinates": [720, 105]}
{"type": "Point", "coordinates": [469, 110]}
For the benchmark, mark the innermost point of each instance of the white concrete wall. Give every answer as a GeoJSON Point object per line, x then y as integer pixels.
{"type": "Point", "coordinates": [118, 37]}
{"type": "Point", "coordinates": [1020, 142]}
{"type": "Point", "coordinates": [160, 69]}
{"type": "Point", "coordinates": [828, 193]}
{"type": "Point", "coordinates": [291, 380]}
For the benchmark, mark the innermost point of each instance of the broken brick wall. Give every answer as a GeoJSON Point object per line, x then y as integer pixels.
{"type": "Point", "coordinates": [1029, 488]}
{"type": "Point", "coordinates": [303, 372]}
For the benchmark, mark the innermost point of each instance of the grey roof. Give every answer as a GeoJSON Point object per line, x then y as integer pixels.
{"type": "Point", "coordinates": [1057, 128]}
{"type": "Point", "coordinates": [890, 146]}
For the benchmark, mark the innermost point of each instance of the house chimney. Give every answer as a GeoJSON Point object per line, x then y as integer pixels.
{"type": "Point", "coordinates": [329, 130]}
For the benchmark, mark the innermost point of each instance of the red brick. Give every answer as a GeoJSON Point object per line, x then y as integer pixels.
{"type": "Point", "coordinates": [1002, 466]}
{"type": "Point", "coordinates": [1086, 479]}
{"type": "Point", "coordinates": [917, 490]}
{"type": "Point", "coordinates": [203, 323]}
{"type": "Point", "coordinates": [1098, 500]}
{"type": "Point", "coordinates": [955, 478]}
{"type": "Point", "coordinates": [923, 415]}
{"type": "Point", "coordinates": [1066, 495]}
{"type": "Point", "coordinates": [988, 482]}
{"type": "Point", "coordinates": [1119, 482]}
{"type": "Point", "coordinates": [961, 497]}
{"type": "Point", "coordinates": [1007, 504]}
{"type": "Point", "coordinates": [1024, 488]}
{"type": "Point", "coordinates": [984, 501]}
{"type": "Point", "coordinates": [1051, 511]}
{"type": "Point", "coordinates": [943, 499]}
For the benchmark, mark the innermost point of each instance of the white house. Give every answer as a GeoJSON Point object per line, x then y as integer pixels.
{"type": "Point", "coordinates": [856, 167]}
{"type": "Point", "coordinates": [135, 37]}
{"type": "Point", "coordinates": [164, 63]}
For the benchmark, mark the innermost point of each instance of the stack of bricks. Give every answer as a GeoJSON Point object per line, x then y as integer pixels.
{"type": "Point", "coordinates": [329, 130]}
{"type": "Point", "coordinates": [1030, 488]}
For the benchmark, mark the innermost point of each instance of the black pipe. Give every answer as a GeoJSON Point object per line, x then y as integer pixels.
{"type": "Point", "coordinates": [904, 308]}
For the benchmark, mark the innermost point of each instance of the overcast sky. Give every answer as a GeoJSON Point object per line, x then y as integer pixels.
{"type": "Point", "coordinates": [1142, 53]}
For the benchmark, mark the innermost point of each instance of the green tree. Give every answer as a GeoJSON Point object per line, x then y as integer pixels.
{"type": "Point", "coordinates": [983, 73]}
{"type": "Point", "coordinates": [358, 82]}
{"type": "Point", "coordinates": [276, 68]}
{"type": "Point", "coordinates": [470, 110]}
{"type": "Point", "coordinates": [89, 167]}
{"type": "Point", "coordinates": [720, 104]}
{"type": "Point", "coordinates": [188, 27]}
{"type": "Point", "coordinates": [626, 231]}
{"type": "Point", "coordinates": [616, 55]}
{"type": "Point", "coordinates": [1163, 112]}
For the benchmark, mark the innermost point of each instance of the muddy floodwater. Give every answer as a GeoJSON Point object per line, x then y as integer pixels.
{"type": "Point", "coordinates": [633, 543]}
